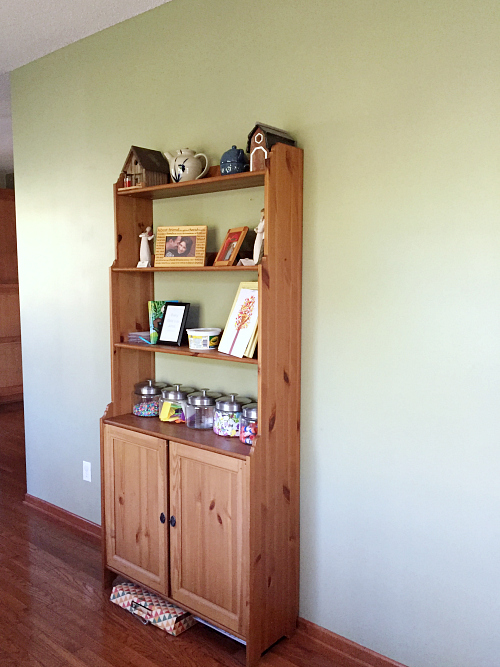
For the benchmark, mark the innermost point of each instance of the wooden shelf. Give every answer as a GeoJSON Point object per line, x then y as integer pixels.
{"type": "Point", "coordinates": [150, 269]}
{"type": "Point", "coordinates": [181, 433]}
{"type": "Point", "coordinates": [249, 179]}
{"type": "Point", "coordinates": [184, 350]}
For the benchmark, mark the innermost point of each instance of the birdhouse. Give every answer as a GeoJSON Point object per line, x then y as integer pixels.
{"type": "Point", "coordinates": [260, 141]}
{"type": "Point", "coordinates": [144, 167]}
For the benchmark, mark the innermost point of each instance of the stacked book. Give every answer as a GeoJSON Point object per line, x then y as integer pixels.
{"type": "Point", "coordinates": [139, 337]}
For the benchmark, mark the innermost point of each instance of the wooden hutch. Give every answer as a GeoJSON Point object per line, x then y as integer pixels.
{"type": "Point", "coordinates": [208, 522]}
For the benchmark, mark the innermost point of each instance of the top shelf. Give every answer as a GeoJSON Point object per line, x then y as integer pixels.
{"type": "Point", "coordinates": [212, 183]}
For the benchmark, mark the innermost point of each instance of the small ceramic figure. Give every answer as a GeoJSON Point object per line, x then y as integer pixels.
{"type": "Point", "coordinates": [145, 252]}
{"type": "Point", "coordinates": [258, 248]}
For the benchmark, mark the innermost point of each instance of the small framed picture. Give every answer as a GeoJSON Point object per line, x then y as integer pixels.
{"type": "Point", "coordinates": [173, 323]}
{"type": "Point", "coordinates": [229, 249]}
{"type": "Point", "coordinates": [180, 246]}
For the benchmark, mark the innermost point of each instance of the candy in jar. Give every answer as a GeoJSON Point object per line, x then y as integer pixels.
{"type": "Point", "coordinates": [173, 403]}
{"type": "Point", "coordinates": [146, 398]}
{"type": "Point", "coordinates": [248, 425]}
{"type": "Point", "coordinates": [228, 414]}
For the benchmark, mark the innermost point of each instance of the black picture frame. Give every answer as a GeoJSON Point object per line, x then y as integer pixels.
{"type": "Point", "coordinates": [173, 323]}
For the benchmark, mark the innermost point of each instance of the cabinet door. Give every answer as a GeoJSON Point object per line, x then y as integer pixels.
{"type": "Point", "coordinates": [209, 541]}
{"type": "Point", "coordinates": [135, 497]}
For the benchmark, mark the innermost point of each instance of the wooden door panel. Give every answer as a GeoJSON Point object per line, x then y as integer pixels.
{"type": "Point", "coordinates": [208, 540]}
{"type": "Point", "coordinates": [135, 469]}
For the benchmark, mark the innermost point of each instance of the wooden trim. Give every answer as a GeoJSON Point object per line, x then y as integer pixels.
{"type": "Point", "coordinates": [78, 524]}
{"type": "Point", "coordinates": [361, 656]}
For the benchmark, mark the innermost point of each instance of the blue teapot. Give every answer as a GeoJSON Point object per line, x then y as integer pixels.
{"type": "Point", "coordinates": [234, 161]}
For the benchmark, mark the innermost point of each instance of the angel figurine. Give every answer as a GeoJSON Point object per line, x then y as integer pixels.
{"type": "Point", "coordinates": [145, 252]}
{"type": "Point", "coordinates": [258, 248]}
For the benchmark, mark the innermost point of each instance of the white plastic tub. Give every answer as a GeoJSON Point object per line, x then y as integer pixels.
{"type": "Point", "coordinates": [203, 340]}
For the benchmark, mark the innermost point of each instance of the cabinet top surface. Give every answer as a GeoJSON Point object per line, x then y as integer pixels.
{"type": "Point", "coordinates": [181, 433]}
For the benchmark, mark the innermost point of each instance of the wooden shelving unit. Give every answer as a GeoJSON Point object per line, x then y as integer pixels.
{"type": "Point", "coordinates": [231, 554]}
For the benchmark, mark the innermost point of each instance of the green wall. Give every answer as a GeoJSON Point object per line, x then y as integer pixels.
{"type": "Point", "coordinates": [396, 106]}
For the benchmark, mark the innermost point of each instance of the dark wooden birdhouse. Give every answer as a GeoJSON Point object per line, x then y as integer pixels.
{"type": "Point", "coordinates": [144, 167]}
{"type": "Point", "coordinates": [260, 141]}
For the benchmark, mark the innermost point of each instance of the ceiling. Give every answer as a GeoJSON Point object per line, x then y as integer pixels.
{"type": "Point", "coordinates": [31, 29]}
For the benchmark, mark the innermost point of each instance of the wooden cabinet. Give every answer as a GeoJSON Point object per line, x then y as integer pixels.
{"type": "Point", "coordinates": [209, 540]}
{"type": "Point", "coordinates": [136, 497]}
{"type": "Point", "coordinates": [233, 555]}
{"type": "Point", "coordinates": [11, 378]}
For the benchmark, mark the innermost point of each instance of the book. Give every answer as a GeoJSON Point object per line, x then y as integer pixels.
{"type": "Point", "coordinates": [155, 312]}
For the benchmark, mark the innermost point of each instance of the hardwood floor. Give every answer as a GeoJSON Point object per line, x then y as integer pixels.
{"type": "Point", "coordinates": [54, 612]}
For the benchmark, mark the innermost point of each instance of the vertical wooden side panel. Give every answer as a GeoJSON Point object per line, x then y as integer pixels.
{"type": "Point", "coordinates": [132, 216]}
{"type": "Point", "coordinates": [274, 483]}
{"type": "Point", "coordinates": [130, 294]}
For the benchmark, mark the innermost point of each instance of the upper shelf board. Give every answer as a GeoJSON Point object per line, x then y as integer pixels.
{"type": "Point", "coordinates": [248, 179]}
{"type": "Point", "coordinates": [160, 269]}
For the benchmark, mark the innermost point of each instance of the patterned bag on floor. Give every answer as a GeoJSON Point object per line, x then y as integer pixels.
{"type": "Point", "coordinates": [151, 608]}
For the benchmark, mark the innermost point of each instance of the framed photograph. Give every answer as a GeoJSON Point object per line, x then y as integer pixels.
{"type": "Point", "coordinates": [180, 246]}
{"type": "Point", "coordinates": [229, 249]}
{"type": "Point", "coordinates": [240, 329]}
{"type": "Point", "coordinates": [173, 323]}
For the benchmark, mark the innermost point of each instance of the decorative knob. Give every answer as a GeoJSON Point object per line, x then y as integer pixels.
{"type": "Point", "coordinates": [162, 518]}
{"type": "Point", "coordinates": [172, 521]}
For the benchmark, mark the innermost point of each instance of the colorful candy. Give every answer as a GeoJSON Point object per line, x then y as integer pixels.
{"type": "Point", "coordinates": [227, 423]}
{"type": "Point", "coordinates": [248, 431]}
{"type": "Point", "coordinates": [146, 409]}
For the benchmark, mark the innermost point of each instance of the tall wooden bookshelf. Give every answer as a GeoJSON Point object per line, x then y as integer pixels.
{"type": "Point", "coordinates": [210, 523]}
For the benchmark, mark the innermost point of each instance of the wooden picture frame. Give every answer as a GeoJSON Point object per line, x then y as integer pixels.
{"type": "Point", "coordinates": [173, 323]}
{"type": "Point", "coordinates": [171, 240]}
{"type": "Point", "coordinates": [229, 249]}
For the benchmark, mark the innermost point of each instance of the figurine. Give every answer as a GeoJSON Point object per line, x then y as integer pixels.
{"type": "Point", "coordinates": [258, 248]}
{"type": "Point", "coordinates": [145, 252]}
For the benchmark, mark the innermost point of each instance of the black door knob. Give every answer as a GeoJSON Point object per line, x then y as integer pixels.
{"type": "Point", "coordinates": [162, 518]}
{"type": "Point", "coordinates": [172, 521]}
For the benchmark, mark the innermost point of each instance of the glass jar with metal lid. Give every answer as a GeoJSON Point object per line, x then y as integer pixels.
{"type": "Point", "coordinates": [173, 403]}
{"type": "Point", "coordinates": [200, 409]}
{"type": "Point", "coordinates": [248, 423]}
{"type": "Point", "coordinates": [146, 398]}
{"type": "Point", "coordinates": [228, 415]}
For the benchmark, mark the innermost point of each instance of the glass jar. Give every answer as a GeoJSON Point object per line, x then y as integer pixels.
{"type": "Point", "coordinates": [248, 424]}
{"type": "Point", "coordinates": [146, 398]}
{"type": "Point", "coordinates": [228, 414]}
{"type": "Point", "coordinates": [175, 400]}
{"type": "Point", "coordinates": [200, 409]}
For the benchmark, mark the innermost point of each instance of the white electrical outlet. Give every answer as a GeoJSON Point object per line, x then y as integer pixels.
{"type": "Point", "coordinates": [87, 472]}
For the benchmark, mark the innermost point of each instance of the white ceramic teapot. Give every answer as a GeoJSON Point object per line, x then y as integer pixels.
{"type": "Point", "coordinates": [186, 166]}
